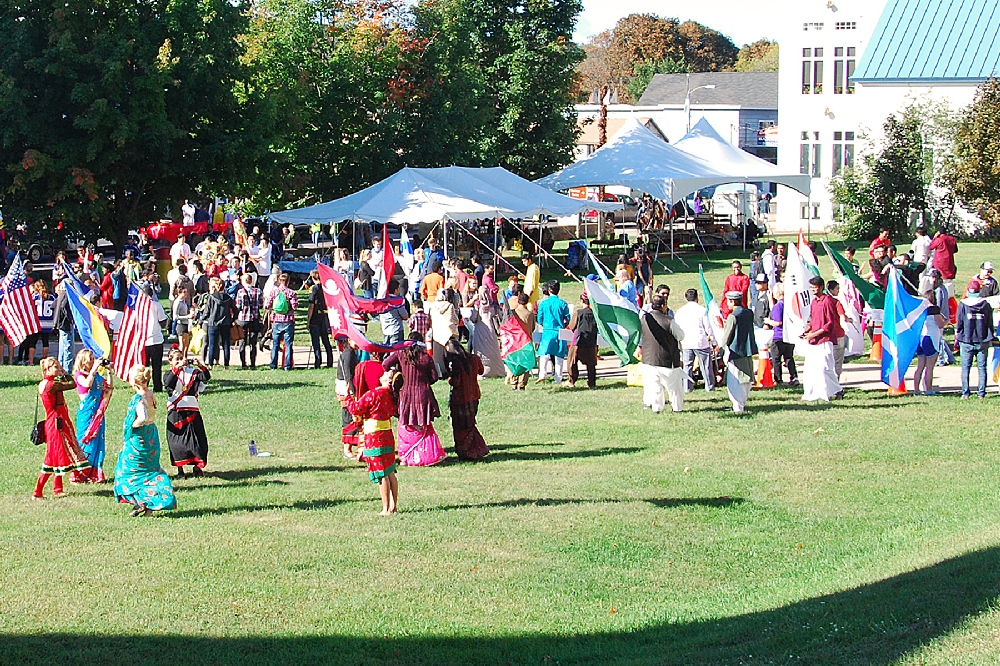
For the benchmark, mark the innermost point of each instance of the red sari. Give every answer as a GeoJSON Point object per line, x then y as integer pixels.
{"type": "Point", "coordinates": [62, 452]}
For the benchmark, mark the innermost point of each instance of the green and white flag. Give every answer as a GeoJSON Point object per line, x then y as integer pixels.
{"type": "Point", "coordinates": [714, 312]}
{"type": "Point", "coordinates": [617, 320]}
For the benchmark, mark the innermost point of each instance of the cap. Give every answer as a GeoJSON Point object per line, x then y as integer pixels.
{"type": "Point", "coordinates": [734, 295]}
{"type": "Point", "coordinates": [761, 278]}
{"type": "Point", "coordinates": [974, 287]}
{"type": "Point", "coordinates": [987, 266]}
{"type": "Point", "coordinates": [935, 273]}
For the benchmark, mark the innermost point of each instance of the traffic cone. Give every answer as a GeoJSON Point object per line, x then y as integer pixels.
{"type": "Point", "coordinates": [898, 391]}
{"type": "Point", "coordinates": [765, 371]}
{"type": "Point", "coordinates": [876, 355]}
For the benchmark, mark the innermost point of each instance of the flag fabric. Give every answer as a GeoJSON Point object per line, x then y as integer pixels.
{"type": "Point", "coordinates": [93, 327]}
{"type": "Point", "coordinates": [901, 329]}
{"type": "Point", "coordinates": [874, 296]}
{"type": "Point", "coordinates": [338, 303]}
{"type": "Point", "coordinates": [599, 269]}
{"type": "Point", "coordinates": [714, 310]}
{"type": "Point", "coordinates": [388, 263]}
{"type": "Point", "coordinates": [807, 256]}
{"type": "Point", "coordinates": [994, 364]}
{"type": "Point", "coordinates": [853, 306]}
{"type": "Point", "coordinates": [129, 347]}
{"type": "Point", "coordinates": [405, 251]}
{"type": "Point", "coordinates": [516, 348]}
{"type": "Point", "coordinates": [798, 297]}
{"type": "Point", "coordinates": [356, 304]}
{"type": "Point", "coordinates": [18, 316]}
{"type": "Point", "coordinates": [617, 320]}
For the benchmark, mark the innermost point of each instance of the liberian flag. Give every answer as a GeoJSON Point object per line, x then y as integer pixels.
{"type": "Point", "coordinates": [798, 297]}
{"type": "Point", "coordinates": [901, 329]}
{"type": "Point", "coordinates": [129, 347]}
{"type": "Point", "coordinates": [405, 251]}
{"type": "Point", "coordinates": [808, 257]}
{"type": "Point", "coordinates": [516, 348]}
{"type": "Point", "coordinates": [714, 313]}
{"type": "Point", "coordinates": [617, 320]}
{"type": "Point", "coordinates": [337, 295]}
{"type": "Point", "coordinates": [18, 316]}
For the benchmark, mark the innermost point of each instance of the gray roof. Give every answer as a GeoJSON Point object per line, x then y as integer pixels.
{"type": "Point", "coordinates": [748, 90]}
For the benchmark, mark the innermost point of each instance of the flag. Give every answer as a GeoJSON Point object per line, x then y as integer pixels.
{"type": "Point", "coordinates": [874, 296]}
{"type": "Point", "coordinates": [599, 269]}
{"type": "Point", "coordinates": [617, 320]}
{"type": "Point", "coordinates": [798, 297]}
{"type": "Point", "coordinates": [388, 263]}
{"type": "Point", "coordinates": [93, 328]}
{"type": "Point", "coordinates": [516, 348]}
{"type": "Point", "coordinates": [714, 311]}
{"type": "Point", "coordinates": [356, 304]}
{"type": "Point", "coordinates": [129, 347]}
{"type": "Point", "coordinates": [808, 257]}
{"type": "Point", "coordinates": [18, 316]}
{"type": "Point", "coordinates": [405, 251]}
{"type": "Point", "coordinates": [853, 305]}
{"type": "Point", "coordinates": [338, 302]}
{"type": "Point", "coordinates": [901, 329]}
{"type": "Point", "coordinates": [994, 363]}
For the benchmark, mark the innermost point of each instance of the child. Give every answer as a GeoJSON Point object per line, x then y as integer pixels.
{"type": "Point", "coordinates": [378, 446]}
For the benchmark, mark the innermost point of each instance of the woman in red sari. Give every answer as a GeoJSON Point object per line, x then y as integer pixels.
{"type": "Point", "coordinates": [463, 375]}
{"type": "Point", "coordinates": [62, 453]}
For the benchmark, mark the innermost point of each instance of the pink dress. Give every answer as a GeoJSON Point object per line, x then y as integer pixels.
{"type": "Point", "coordinates": [419, 446]}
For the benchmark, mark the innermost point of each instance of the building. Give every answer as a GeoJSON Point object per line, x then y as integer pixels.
{"type": "Point", "coordinates": [846, 65]}
{"type": "Point", "coordinates": [589, 139]}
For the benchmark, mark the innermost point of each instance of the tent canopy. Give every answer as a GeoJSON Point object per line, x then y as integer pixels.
{"type": "Point", "coordinates": [636, 157]}
{"type": "Point", "coordinates": [704, 142]}
{"type": "Point", "coordinates": [412, 196]}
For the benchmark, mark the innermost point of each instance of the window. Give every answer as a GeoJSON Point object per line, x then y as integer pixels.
{"type": "Point", "coordinates": [845, 25]}
{"type": "Point", "coordinates": [812, 71]}
{"type": "Point", "coordinates": [843, 69]}
{"type": "Point", "coordinates": [815, 27]}
{"type": "Point", "coordinates": [810, 154]}
{"type": "Point", "coordinates": [804, 210]}
{"type": "Point", "coordinates": [843, 151]}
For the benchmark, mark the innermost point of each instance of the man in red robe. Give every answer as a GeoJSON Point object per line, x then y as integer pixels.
{"type": "Point", "coordinates": [735, 282]}
{"type": "Point", "coordinates": [819, 376]}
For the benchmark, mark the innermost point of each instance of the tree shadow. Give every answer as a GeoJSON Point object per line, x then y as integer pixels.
{"type": "Point", "coordinates": [303, 505]}
{"type": "Point", "coordinates": [256, 472]}
{"type": "Point", "coordinates": [501, 456]}
{"type": "Point", "coordinates": [251, 386]}
{"type": "Point", "coordinates": [18, 383]}
{"type": "Point", "coordinates": [875, 624]}
{"type": "Point", "coordinates": [662, 502]}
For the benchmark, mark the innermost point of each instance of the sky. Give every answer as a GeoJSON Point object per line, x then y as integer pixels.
{"type": "Point", "coordinates": [743, 21]}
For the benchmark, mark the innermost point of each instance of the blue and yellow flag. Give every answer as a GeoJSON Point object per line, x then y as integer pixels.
{"type": "Point", "coordinates": [92, 326]}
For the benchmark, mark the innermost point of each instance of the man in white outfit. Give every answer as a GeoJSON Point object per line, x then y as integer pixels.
{"type": "Point", "coordinates": [662, 372]}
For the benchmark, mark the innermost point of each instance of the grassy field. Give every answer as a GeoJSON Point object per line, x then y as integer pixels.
{"type": "Point", "coordinates": [861, 532]}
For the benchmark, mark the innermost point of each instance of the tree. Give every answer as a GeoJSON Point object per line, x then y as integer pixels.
{"type": "Point", "coordinates": [973, 170]}
{"type": "Point", "coordinates": [644, 73]}
{"type": "Point", "coordinates": [112, 110]}
{"type": "Point", "coordinates": [706, 50]}
{"type": "Point", "coordinates": [761, 56]}
{"type": "Point", "coordinates": [884, 187]}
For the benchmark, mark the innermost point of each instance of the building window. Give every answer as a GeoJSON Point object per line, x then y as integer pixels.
{"type": "Point", "coordinates": [810, 154]}
{"type": "Point", "coordinates": [843, 70]}
{"type": "Point", "coordinates": [812, 71]}
{"type": "Point", "coordinates": [815, 27]}
{"type": "Point", "coordinates": [843, 151]}
{"type": "Point", "coordinates": [805, 208]}
{"type": "Point", "coordinates": [845, 25]}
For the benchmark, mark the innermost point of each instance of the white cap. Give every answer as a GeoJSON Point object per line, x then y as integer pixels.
{"type": "Point", "coordinates": [987, 266]}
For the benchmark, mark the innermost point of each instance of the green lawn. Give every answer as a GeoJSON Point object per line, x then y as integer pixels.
{"type": "Point", "coordinates": [861, 532]}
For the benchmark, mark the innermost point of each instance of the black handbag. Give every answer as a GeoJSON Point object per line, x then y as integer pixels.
{"type": "Point", "coordinates": [38, 431]}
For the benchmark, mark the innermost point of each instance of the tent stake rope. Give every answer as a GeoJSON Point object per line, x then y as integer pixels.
{"type": "Point", "coordinates": [544, 252]}
{"type": "Point", "coordinates": [483, 243]}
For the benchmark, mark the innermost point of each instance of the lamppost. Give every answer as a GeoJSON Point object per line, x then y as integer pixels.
{"type": "Point", "coordinates": [687, 99]}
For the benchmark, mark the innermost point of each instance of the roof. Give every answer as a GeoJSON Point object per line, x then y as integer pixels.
{"type": "Point", "coordinates": [589, 130]}
{"type": "Point", "coordinates": [747, 90]}
{"type": "Point", "coordinates": [933, 41]}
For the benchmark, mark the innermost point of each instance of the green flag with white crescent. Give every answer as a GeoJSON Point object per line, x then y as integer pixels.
{"type": "Point", "coordinates": [617, 320]}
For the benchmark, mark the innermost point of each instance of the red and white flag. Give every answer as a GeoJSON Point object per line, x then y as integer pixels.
{"type": "Point", "coordinates": [18, 316]}
{"type": "Point", "coordinates": [388, 264]}
{"type": "Point", "coordinates": [129, 348]}
{"type": "Point", "coordinates": [338, 303]}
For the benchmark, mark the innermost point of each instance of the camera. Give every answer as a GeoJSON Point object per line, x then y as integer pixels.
{"type": "Point", "coordinates": [105, 362]}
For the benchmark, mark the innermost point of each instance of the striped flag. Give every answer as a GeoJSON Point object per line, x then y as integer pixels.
{"type": "Point", "coordinates": [712, 309]}
{"type": "Point", "coordinates": [129, 347]}
{"type": "Point", "coordinates": [388, 264]}
{"type": "Point", "coordinates": [18, 316]}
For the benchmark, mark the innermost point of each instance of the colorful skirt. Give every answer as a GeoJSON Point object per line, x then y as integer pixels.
{"type": "Point", "coordinates": [350, 430]}
{"type": "Point", "coordinates": [469, 442]}
{"type": "Point", "coordinates": [186, 438]}
{"type": "Point", "coordinates": [379, 450]}
{"type": "Point", "coordinates": [139, 479]}
{"type": "Point", "coordinates": [420, 446]}
{"type": "Point", "coordinates": [62, 452]}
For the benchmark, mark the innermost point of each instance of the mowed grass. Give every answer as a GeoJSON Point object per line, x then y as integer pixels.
{"type": "Point", "coordinates": [861, 532]}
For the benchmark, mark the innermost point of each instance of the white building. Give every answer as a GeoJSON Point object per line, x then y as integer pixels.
{"type": "Point", "coordinates": [846, 65]}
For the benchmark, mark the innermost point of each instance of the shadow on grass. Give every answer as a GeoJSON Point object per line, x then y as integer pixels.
{"type": "Point", "coordinates": [304, 505]}
{"type": "Point", "coordinates": [179, 487]}
{"type": "Point", "coordinates": [255, 472]}
{"type": "Point", "coordinates": [662, 502]}
{"type": "Point", "coordinates": [18, 383]}
{"type": "Point", "coordinates": [255, 385]}
{"type": "Point", "coordinates": [876, 624]}
{"type": "Point", "coordinates": [501, 456]}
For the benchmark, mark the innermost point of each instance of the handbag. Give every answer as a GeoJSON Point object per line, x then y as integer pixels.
{"type": "Point", "coordinates": [197, 340]}
{"type": "Point", "coordinates": [235, 333]}
{"type": "Point", "coordinates": [38, 431]}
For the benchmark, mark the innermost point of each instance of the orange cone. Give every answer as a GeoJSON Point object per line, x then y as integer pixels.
{"type": "Point", "coordinates": [898, 391]}
{"type": "Point", "coordinates": [765, 371]}
{"type": "Point", "coordinates": [876, 354]}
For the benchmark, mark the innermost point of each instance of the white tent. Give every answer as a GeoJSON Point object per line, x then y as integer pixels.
{"type": "Point", "coordinates": [706, 144]}
{"type": "Point", "coordinates": [412, 196]}
{"type": "Point", "coordinates": [636, 157]}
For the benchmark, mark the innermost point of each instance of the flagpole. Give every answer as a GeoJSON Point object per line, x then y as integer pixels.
{"type": "Point", "coordinates": [495, 253]}
{"type": "Point", "coordinates": [547, 255]}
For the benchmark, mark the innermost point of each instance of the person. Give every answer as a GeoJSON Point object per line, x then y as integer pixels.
{"type": "Point", "coordinates": [484, 339]}
{"type": "Point", "coordinates": [95, 391]}
{"type": "Point", "coordinates": [697, 342]}
{"type": "Point", "coordinates": [736, 281]}
{"type": "Point", "coordinates": [63, 322]}
{"type": "Point", "coordinates": [974, 332]}
{"type": "Point", "coordinates": [823, 329]}
{"type": "Point", "coordinates": [840, 344]}
{"type": "Point", "coordinates": [319, 323]}
{"type": "Point", "coordinates": [249, 301]}
{"type": "Point", "coordinates": [463, 375]}
{"type": "Point", "coordinates": [183, 317]}
{"type": "Point", "coordinates": [553, 316]}
{"type": "Point", "coordinates": [376, 258]}
{"type": "Point", "coordinates": [583, 348]}
{"type": "Point", "coordinates": [62, 453]}
{"type": "Point", "coordinates": [365, 275]}
{"type": "Point", "coordinates": [419, 444]}
{"type": "Point", "coordinates": [849, 252]}
{"type": "Point", "coordinates": [432, 282]}
{"type": "Point", "coordinates": [45, 307]}
{"type": "Point", "coordinates": [920, 248]}
{"type": "Point", "coordinates": [347, 363]}
{"type": "Point", "coordinates": [342, 264]}
{"type": "Point", "coordinates": [180, 250]}
{"type": "Point", "coordinates": [261, 256]}
{"type": "Point", "coordinates": [767, 263]}
{"type": "Point", "coordinates": [139, 478]}
{"type": "Point", "coordinates": [444, 326]}
{"type": "Point", "coordinates": [761, 301]}
{"type": "Point", "coordinates": [186, 437]}
{"type": "Point", "coordinates": [532, 278]}
{"type": "Point", "coordinates": [944, 247]}
{"type": "Point", "coordinates": [878, 267]}
{"type": "Point", "coordinates": [945, 356]}
{"type": "Point", "coordinates": [154, 338]}
{"type": "Point", "coordinates": [393, 318]}
{"type": "Point", "coordinates": [987, 283]}
{"type": "Point", "coordinates": [662, 369]}
{"type": "Point", "coordinates": [219, 322]}
{"type": "Point", "coordinates": [525, 315]}
{"type": "Point", "coordinates": [282, 303]}
{"type": "Point", "coordinates": [740, 346]}
{"type": "Point", "coordinates": [882, 240]}
{"type": "Point", "coordinates": [377, 407]}
{"type": "Point", "coordinates": [929, 348]}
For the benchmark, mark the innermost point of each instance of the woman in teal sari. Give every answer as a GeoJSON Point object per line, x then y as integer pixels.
{"type": "Point", "coordinates": [139, 479]}
{"type": "Point", "coordinates": [95, 393]}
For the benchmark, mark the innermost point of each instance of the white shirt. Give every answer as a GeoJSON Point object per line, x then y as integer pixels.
{"type": "Point", "coordinates": [179, 250]}
{"type": "Point", "coordinates": [187, 213]}
{"type": "Point", "coordinates": [921, 249]}
{"type": "Point", "coordinates": [262, 257]}
{"type": "Point", "coordinates": [155, 334]}
{"type": "Point", "coordinates": [693, 320]}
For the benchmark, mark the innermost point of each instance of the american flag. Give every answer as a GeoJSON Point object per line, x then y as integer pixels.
{"type": "Point", "coordinates": [18, 316]}
{"type": "Point", "coordinates": [129, 347]}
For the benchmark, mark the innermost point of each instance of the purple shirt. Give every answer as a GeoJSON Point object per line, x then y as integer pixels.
{"type": "Point", "coordinates": [777, 314]}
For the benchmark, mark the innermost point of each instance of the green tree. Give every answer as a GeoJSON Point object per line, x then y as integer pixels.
{"type": "Point", "coordinates": [112, 110]}
{"type": "Point", "coordinates": [644, 73]}
{"type": "Point", "coordinates": [706, 50]}
{"type": "Point", "coordinates": [973, 170]}
{"type": "Point", "coordinates": [761, 56]}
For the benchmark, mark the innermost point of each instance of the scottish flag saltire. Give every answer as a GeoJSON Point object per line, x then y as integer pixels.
{"type": "Point", "coordinates": [901, 329]}
{"type": "Point", "coordinates": [405, 251]}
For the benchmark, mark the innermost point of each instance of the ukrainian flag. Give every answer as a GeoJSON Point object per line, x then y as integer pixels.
{"type": "Point", "coordinates": [92, 326]}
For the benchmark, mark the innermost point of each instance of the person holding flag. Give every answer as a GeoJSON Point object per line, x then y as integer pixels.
{"type": "Point", "coordinates": [819, 376]}
{"type": "Point", "coordinates": [94, 385]}
{"type": "Point", "coordinates": [741, 346]}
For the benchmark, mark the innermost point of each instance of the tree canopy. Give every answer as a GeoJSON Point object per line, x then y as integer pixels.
{"type": "Point", "coordinates": [973, 170]}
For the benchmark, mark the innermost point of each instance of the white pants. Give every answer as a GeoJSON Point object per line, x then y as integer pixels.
{"type": "Point", "coordinates": [557, 367]}
{"type": "Point", "coordinates": [739, 392]}
{"type": "Point", "coordinates": [819, 375]}
{"type": "Point", "coordinates": [658, 383]}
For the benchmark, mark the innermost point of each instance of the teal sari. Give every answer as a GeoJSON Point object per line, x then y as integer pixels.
{"type": "Point", "coordinates": [89, 406]}
{"type": "Point", "coordinates": [139, 479]}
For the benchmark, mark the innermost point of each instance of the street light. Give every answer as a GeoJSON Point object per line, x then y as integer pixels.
{"type": "Point", "coordinates": [687, 99]}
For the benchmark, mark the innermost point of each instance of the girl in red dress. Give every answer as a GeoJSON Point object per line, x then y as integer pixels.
{"type": "Point", "coordinates": [62, 453]}
{"type": "Point", "coordinates": [378, 446]}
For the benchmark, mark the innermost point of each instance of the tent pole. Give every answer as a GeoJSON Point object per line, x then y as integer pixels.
{"type": "Point", "coordinates": [495, 253]}
{"type": "Point", "coordinates": [741, 212]}
{"type": "Point", "coordinates": [549, 256]}
{"type": "Point", "coordinates": [444, 233]}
